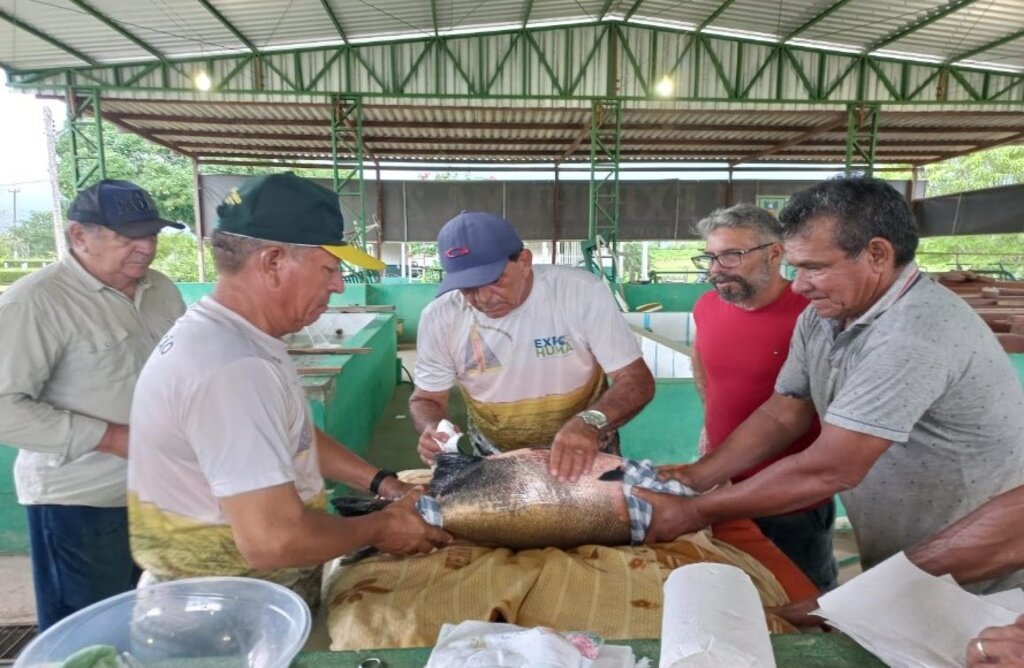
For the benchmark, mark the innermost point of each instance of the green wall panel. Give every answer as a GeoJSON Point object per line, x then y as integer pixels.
{"type": "Point", "coordinates": [13, 525]}
{"type": "Point", "coordinates": [671, 296]}
{"type": "Point", "coordinates": [409, 301]}
{"type": "Point", "coordinates": [667, 429]}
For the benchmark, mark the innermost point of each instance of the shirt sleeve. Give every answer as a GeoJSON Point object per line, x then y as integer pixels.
{"type": "Point", "coordinates": [890, 387]}
{"type": "Point", "coordinates": [609, 336]}
{"type": "Point", "coordinates": [29, 349]}
{"type": "Point", "coordinates": [794, 376]}
{"type": "Point", "coordinates": [435, 366]}
{"type": "Point", "coordinates": [237, 423]}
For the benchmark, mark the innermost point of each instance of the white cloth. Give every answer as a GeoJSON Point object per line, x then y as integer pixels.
{"type": "Point", "coordinates": [71, 349]}
{"type": "Point", "coordinates": [219, 411]}
{"type": "Point", "coordinates": [474, 644]}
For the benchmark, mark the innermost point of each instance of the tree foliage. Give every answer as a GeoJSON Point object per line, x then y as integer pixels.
{"type": "Point", "coordinates": [986, 169]}
{"type": "Point", "coordinates": [31, 238]}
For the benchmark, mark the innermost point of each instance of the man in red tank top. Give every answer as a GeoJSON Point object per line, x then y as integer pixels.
{"type": "Point", "coordinates": [743, 332]}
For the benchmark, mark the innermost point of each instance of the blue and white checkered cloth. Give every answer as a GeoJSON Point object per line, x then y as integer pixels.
{"type": "Point", "coordinates": [642, 474]}
{"type": "Point", "coordinates": [636, 474]}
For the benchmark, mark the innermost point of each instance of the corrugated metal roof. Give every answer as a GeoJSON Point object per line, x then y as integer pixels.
{"type": "Point", "coordinates": [481, 133]}
{"type": "Point", "coordinates": [186, 27]}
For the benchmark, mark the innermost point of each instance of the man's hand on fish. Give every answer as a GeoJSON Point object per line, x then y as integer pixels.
{"type": "Point", "coordinates": [403, 531]}
{"type": "Point", "coordinates": [428, 446]}
{"type": "Point", "coordinates": [673, 515]}
{"type": "Point", "coordinates": [573, 451]}
{"type": "Point", "coordinates": [684, 473]}
{"type": "Point", "coordinates": [393, 488]}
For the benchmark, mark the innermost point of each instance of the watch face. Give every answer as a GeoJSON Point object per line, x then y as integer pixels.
{"type": "Point", "coordinates": [594, 418]}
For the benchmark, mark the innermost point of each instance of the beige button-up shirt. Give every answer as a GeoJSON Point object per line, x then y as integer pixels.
{"type": "Point", "coordinates": [71, 349]}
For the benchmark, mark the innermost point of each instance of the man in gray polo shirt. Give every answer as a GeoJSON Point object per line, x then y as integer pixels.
{"type": "Point", "coordinates": [922, 414]}
{"type": "Point", "coordinates": [75, 335]}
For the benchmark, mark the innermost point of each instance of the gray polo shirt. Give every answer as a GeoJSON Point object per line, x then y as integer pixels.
{"type": "Point", "coordinates": [71, 349]}
{"type": "Point", "coordinates": [921, 369]}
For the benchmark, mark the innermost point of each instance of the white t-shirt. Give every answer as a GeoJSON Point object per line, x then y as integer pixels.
{"type": "Point", "coordinates": [525, 374]}
{"type": "Point", "coordinates": [218, 411]}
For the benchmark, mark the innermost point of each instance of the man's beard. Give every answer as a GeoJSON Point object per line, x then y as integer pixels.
{"type": "Point", "coordinates": [740, 290]}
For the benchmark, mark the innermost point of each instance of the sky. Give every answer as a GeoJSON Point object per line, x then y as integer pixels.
{"type": "Point", "coordinates": [23, 152]}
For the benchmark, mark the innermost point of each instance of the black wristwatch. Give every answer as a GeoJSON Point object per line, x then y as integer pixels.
{"type": "Point", "coordinates": [379, 478]}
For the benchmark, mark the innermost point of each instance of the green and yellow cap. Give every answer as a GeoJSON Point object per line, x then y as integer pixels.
{"type": "Point", "coordinates": [291, 210]}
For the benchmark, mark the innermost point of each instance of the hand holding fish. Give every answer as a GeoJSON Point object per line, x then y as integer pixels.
{"type": "Point", "coordinates": [430, 443]}
{"type": "Point", "coordinates": [393, 488]}
{"type": "Point", "coordinates": [573, 451]}
{"type": "Point", "coordinates": [403, 531]}
{"type": "Point", "coordinates": [684, 473]}
{"type": "Point", "coordinates": [673, 515]}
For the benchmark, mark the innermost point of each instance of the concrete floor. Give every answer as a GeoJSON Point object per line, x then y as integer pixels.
{"type": "Point", "coordinates": [393, 446]}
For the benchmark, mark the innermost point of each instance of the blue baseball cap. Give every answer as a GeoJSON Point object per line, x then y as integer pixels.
{"type": "Point", "coordinates": [474, 248]}
{"type": "Point", "coordinates": [120, 205]}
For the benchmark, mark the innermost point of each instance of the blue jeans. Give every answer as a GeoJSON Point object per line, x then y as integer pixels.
{"type": "Point", "coordinates": [80, 555]}
{"type": "Point", "coordinates": [806, 538]}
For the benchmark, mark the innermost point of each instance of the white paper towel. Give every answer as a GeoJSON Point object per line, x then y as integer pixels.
{"type": "Point", "coordinates": [452, 444]}
{"type": "Point", "coordinates": [713, 617]}
{"type": "Point", "coordinates": [908, 618]}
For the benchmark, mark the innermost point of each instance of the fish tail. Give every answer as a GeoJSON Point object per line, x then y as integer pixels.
{"type": "Point", "coordinates": [354, 506]}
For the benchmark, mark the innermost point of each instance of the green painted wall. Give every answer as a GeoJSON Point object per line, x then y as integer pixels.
{"type": "Point", "coordinates": [13, 525]}
{"type": "Point", "coordinates": [354, 293]}
{"type": "Point", "coordinates": [1018, 363]}
{"type": "Point", "coordinates": [409, 301]}
{"type": "Point", "coordinates": [666, 430]}
{"type": "Point", "coordinates": [671, 296]}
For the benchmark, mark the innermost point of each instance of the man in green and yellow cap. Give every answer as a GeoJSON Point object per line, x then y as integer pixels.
{"type": "Point", "coordinates": [226, 473]}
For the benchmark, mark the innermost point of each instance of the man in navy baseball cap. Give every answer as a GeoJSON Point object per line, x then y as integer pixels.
{"type": "Point", "coordinates": [120, 205]}
{"type": "Point", "coordinates": [531, 348]}
{"type": "Point", "coordinates": [474, 248]}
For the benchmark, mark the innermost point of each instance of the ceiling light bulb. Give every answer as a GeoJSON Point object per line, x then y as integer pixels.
{"type": "Point", "coordinates": [664, 87]}
{"type": "Point", "coordinates": [202, 81]}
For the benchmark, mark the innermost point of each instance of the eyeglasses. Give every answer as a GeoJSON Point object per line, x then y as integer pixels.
{"type": "Point", "coordinates": [726, 260]}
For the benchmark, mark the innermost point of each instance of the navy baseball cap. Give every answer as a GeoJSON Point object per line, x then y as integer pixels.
{"type": "Point", "coordinates": [474, 248]}
{"type": "Point", "coordinates": [120, 205]}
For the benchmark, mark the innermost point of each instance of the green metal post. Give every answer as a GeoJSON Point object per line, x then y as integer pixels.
{"type": "Point", "coordinates": [605, 152]}
{"type": "Point", "coordinates": [88, 162]}
{"type": "Point", "coordinates": [347, 137]}
{"type": "Point", "coordinates": [861, 137]}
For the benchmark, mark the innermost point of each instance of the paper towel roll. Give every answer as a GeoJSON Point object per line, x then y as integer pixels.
{"type": "Point", "coordinates": [713, 617]}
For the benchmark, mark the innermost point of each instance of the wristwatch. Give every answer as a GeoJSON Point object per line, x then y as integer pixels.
{"type": "Point", "coordinates": [594, 418]}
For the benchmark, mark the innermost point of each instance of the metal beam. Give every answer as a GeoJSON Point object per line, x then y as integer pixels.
{"type": "Point", "coordinates": [32, 30]}
{"type": "Point", "coordinates": [837, 122]}
{"type": "Point", "coordinates": [929, 19]}
{"type": "Point", "coordinates": [834, 7]}
{"type": "Point", "coordinates": [116, 27]}
{"type": "Point", "coordinates": [527, 10]}
{"type": "Point", "coordinates": [433, 15]}
{"type": "Point", "coordinates": [230, 26]}
{"type": "Point", "coordinates": [1006, 141]}
{"type": "Point", "coordinates": [604, 9]}
{"type": "Point", "coordinates": [632, 10]}
{"type": "Point", "coordinates": [985, 47]}
{"type": "Point", "coordinates": [334, 19]}
{"type": "Point", "coordinates": [714, 15]}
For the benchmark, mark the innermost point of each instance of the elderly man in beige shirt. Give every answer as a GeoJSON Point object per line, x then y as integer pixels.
{"type": "Point", "coordinates": [74, 337]}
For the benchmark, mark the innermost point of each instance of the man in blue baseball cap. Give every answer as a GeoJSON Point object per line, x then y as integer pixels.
{"type": "Point", "coordinates": [75, 335]}
{"type": "Point", "coordinates": [530, 347]}
{"type": "Point", "coordinates": [226, 476]}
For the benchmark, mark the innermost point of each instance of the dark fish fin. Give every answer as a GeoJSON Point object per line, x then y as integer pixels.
{"type": "Point", "coordinates": [451, 467]}
{"type": "Point", "coordinates": [354, 506]}
{"type": "Point", "coordinates": [615, 475]}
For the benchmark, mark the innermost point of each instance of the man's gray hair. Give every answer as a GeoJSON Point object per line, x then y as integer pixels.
{"type": "Point", "coordinates": [744, 216]}
{"type": "Point", "coordinates": [232, 251]}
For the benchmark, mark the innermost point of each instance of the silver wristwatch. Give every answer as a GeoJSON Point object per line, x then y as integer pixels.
{"type": "Point", "coordinates": [594, 418]}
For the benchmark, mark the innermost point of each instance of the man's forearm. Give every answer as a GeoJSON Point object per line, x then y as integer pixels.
{"type": "Point", "coordinates": [426, 412]}
{"type": "Point", "coordinates": [760, 437]}
{"type": "Point", "coordinates": [788, 485]}
{"type": "Point", "coordinates": [340, 464]}
{"type": "Point", "coordinates": [631, 389]}
{"type": "Point", "coordinates": [38, 426]}
{"type": "Point", "coordinates": [984, 544]}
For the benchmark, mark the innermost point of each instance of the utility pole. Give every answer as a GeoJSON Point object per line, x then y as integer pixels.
{"type": "Point", "coordinates": [51, 154]}
{"type": "Point", "coordinates": [14, 206]}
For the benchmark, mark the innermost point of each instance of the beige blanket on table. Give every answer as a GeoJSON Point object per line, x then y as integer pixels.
{"type": "Point", "coordinates": [384, 602]}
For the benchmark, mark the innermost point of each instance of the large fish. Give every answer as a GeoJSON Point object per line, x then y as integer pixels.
{"type": "Point", "coordinates": [511, 500]}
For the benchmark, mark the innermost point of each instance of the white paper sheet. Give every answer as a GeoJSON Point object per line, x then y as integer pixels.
{"type": "Point", "coordinates": [452, 444]}
{"type": "Point", "coordinates": [713, 617]}
{"type": "Point", "coordinates": [909, 618]}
